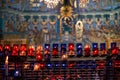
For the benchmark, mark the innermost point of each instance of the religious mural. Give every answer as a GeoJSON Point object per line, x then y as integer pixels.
{"type": "Point", "coordinates": [63, 24]}
{"type": "Point", "coordinates": [43, 30]}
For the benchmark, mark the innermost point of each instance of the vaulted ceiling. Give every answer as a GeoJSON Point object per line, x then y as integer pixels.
{"type": "Point", "coordinates": [55, 5]}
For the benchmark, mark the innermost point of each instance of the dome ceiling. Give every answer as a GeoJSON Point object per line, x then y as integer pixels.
{"type": "Point", "coordinates": [55, 5]}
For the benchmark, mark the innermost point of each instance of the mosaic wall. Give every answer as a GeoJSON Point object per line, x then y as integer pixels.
{"type": "Point", "coordinates": [83, 21]}
{"type": "Point", "coordinates": [47, 29]}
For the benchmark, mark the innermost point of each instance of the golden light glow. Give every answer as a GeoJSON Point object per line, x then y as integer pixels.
{"type": "Point", "coordinates": [36, 67]}
{"type": "Point", "coordinates": [31, 47]}
{"type": "Point", "coordinates": [26, 66]}
{"type": "Point", "coordinates": [64, 57]}
{"type": "Point", "coordinates": [6, 60]}
{"type": "Point", "coordinates": [66, 11]}
{"type": "Point", "coordinates": [87, 46]}
{"type": "Point", "coordinates": [23, 53]}
{"type": "Point", "coordinates": [39, 48]}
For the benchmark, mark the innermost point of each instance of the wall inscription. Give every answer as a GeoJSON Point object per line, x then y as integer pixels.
{"type": "Point", "coordinates": [13, 41]}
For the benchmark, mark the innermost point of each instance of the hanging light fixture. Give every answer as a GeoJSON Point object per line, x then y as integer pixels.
{"type": "Point", "coordinates": [35, 3]}
{"type": "Point", "coordinates": [83, 3]}
{"type": "Point", "coordinates": [51, 3]}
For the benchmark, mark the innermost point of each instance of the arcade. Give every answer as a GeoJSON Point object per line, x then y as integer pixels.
{"type": "Point", "coordinates": [60, 40]}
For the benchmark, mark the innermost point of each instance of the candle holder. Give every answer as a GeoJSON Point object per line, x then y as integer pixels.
{"type": "Point", "coordinates": [79, 49]}
{"type": "Point", "coordinates": [1, 49]}
{"type": "Point", "coordinates": [95, 49]}
{"type": "Point", "coordinates": [23, 50]}
{"type": "Point", "coordinates": [55, 50]}
{"type": "Point", "coordinates": [71, 52]}
{"type": "Point", "coordinates": [87, 50]}
{"type": "Point", "coordinates": [31, 50]}
{"type": "Point", "coordinates": [15, 50]}
{"type": "Point", "coordinates": [7, 50]}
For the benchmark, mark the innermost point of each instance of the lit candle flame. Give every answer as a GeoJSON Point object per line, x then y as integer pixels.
{"type": "Point", "coordinates": [87, 46]}
{"type": "Point", "coordinates": [6, 61]}
{"type": "Point", "coordinates": [31, 47]}
{"type": "Point", "coordinates": [6, 64]}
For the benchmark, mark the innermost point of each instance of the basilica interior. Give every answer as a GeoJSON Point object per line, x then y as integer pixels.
{"type": "Point", "coordinates": [60, 40]}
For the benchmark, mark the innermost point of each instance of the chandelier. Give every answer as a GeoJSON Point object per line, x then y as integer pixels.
{"type": "Point", "coordinates": [51, 3]}
{"type": "Point", "coordinates": [83, 3]}
{"type": "Point", "coordinates": [35, 3]}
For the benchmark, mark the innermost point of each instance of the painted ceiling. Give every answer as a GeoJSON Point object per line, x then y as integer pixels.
{"type": "Point", "coordinates": [77, 5]}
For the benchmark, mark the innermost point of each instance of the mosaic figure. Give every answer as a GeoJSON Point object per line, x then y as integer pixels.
{"type": "Point", "coordinates": [35, 23]}
{"type": "Point", "coordinates": [66, 36]}
{"type": "Point", "coordinates": [18, 25]}
{"type": "Point", "coordinates": [79, 31]}
{"type": "Point", "coordinates": [67, 24]}
{"type": "Point", "coordinates": [67, 29]}
{"type": "Point", "coordinates": [31, 38]}
{"type": "Point", "coordinates": [52, 30]}
{"type": "Point", "coordinates": [36, 34]}
{"type": "Point", "coordinates": [45, 33]}
{"type": "Point", "coordinates": [23, 26]}
{"type": "Point", "coordinates": [9, 27]}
